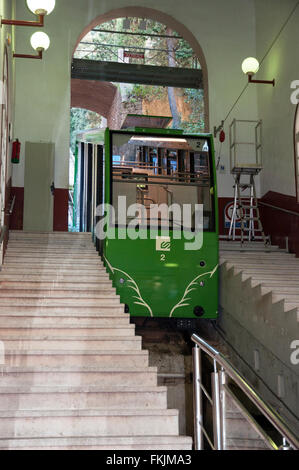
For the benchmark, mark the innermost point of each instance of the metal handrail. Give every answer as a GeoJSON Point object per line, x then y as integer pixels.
{"type": "Point", "coordinates": [12, 205]}
{"type": "Point", "coordinates": [226, 367]}
{"type": "Point", "coordinates": [2, 234]}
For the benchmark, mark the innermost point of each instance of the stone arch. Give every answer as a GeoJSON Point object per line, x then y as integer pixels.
{"type": "Point", "coordinates": [156, 15]}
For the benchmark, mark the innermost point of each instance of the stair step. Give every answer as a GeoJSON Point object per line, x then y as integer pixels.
{"type": "Point", "coordinates": [50, 331]}
{"type": "Point", "coordinates": [279, 254]}
{"type": "Point", "coordinates": [87, 423]}
{"type": "Point", "coordinates": [265, 267]}
{"type": "Point", "coordinates": [239, 428]}
{"type": "Point", "coordinates": [61, 269]}
{"type": "Point", "coordinates": [260, 262]}
{"type": "Point", "coordinates": [84, 343]}
{"type": "Point", "coordinates": [64, 321]}
{"type": "Point", "coordinates": [52, 241]}
{"type": "Point", "coordinates": [54, 253]}
{"type": "Point", "coordinates": [57, 285]}
{"type": "Point", "coordinates": [62, 244]}
{"type": "Point", "coordinates": [248, 247]}
{"type": "Point", "coordinates": [281, 290]}
{"type": "Point", "coordinates": [60, 302]}
{"type": "Point", "coordinates": [289, 298]}
{"type": "Point", "coordinates": [81, 397]}
{"type": "Point", "coordinates": [52, 278]}
{"type": "Point", "coordinates": [245, 444]}
{"type": "Point", "coordinates": [78, 376]}
{"type": "Point", "coordinates": [289, 306]}
{"type": "Point", "coordinates": [265, 277]}
{"type": "Point", "coordinates": [43, 256]}
{"type": "Point", "coordinates": [45, 310]}
{"type": "Point", "coordinates": [53, 264]}
{"type": "Point", "coordinates": [43, 276]}
{"type": "Point", "coordinates": [56, 358]}
{"type": "Point", "coordinates": [280, 283]}
{"type": "Point", "coordinates": [54, 294]}
{"type": "Point", "coordinates": [13, 234]}
{"type": "Point", "coordinates": [100, 443]}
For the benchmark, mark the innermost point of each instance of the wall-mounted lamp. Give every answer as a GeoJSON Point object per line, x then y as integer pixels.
{"type": "Point", "coordinates": [250, 67]}
{"type": "Point", "coordinates": [40, 8]}
{"type": "Point", "coordinates": [40, 42]}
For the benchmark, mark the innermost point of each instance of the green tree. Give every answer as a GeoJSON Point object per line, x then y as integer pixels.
{"type": "Point", "coordinates": [159, 50]}
{"type": "Point", "coordinates": [82, 119]}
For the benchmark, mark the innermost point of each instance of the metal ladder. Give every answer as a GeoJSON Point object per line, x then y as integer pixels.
{"type": "Point", "coordinates": [246, 210]}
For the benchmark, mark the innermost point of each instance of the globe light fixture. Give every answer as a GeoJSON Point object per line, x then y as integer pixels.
{"type": "Point", "coordinates": [40, 41]}
{"type": "Point", "coordinates": [250, 67]}
{"type": "Point", "coordinates": [41, 7]}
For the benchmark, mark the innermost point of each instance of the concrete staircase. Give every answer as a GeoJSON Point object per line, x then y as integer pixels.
{"type": "Point", "coordinates": [75, 376]}
{"type": "Point", "coordinates": [259, 298]}
{"type": "Point", "coordinates": [273, 278]}
{"type": "Point", "coordinates": [239, 433]}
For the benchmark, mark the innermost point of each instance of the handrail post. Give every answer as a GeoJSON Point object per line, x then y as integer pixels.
{"type": "Point", "coordinates": [197, 402]}
{"type": "Point", "coordinates": [217, 421]}
{"type": "Point", "coordinates": [223, 402]}
{"type": "Point", "coordinates": [2, 234]}
{"type": "Point", "coordinates": [229, 372]}
{"type": "Point", "coordinates": [285, 445]}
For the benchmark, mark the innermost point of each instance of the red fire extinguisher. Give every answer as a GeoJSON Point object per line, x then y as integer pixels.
{"type": "Point", "coordinates": [222, 136]}
{"type": "Point", "coordinates": [16, 149]}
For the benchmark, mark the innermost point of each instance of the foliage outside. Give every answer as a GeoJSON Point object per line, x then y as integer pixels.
{"type": "Point", "coordinates": [158, 51]}
{"type": "Point", "coordinates": [82, 119]}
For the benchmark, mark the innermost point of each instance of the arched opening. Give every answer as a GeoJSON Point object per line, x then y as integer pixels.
{"type": "Point", "coordinates": [296, 148]}
{"type": "Point", "coordinates": [171, 23]}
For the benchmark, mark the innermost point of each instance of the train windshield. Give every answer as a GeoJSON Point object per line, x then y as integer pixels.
{"type": "Point", "coordinates": [154, 170]}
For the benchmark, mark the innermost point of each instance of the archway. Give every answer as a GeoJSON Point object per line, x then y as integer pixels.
{"type": "Point", "coordinates": [103, 97]}
{"type": "Point", "coordinates": [156, 15]}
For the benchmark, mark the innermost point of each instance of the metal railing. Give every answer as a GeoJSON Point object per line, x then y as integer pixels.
{"type": "Point", "coordinates": [223, 372]}
{"type": "Point", "coordinates": [12, 205]}
{"type": "Point", "coordinates": [4, 229]}
{"type": "Point", "coordinates": [2, 234]}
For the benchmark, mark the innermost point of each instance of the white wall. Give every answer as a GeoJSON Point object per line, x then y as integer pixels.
{"type": "Point", "coordinates": [275, 107]}
{"type": "Point", "coordinates": [225, 31]}
{"type": "Point", "coordinates": [7, 8]}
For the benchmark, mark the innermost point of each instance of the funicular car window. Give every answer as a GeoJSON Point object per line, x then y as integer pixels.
{"type": "Point", "coordinates": [152, 170]}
